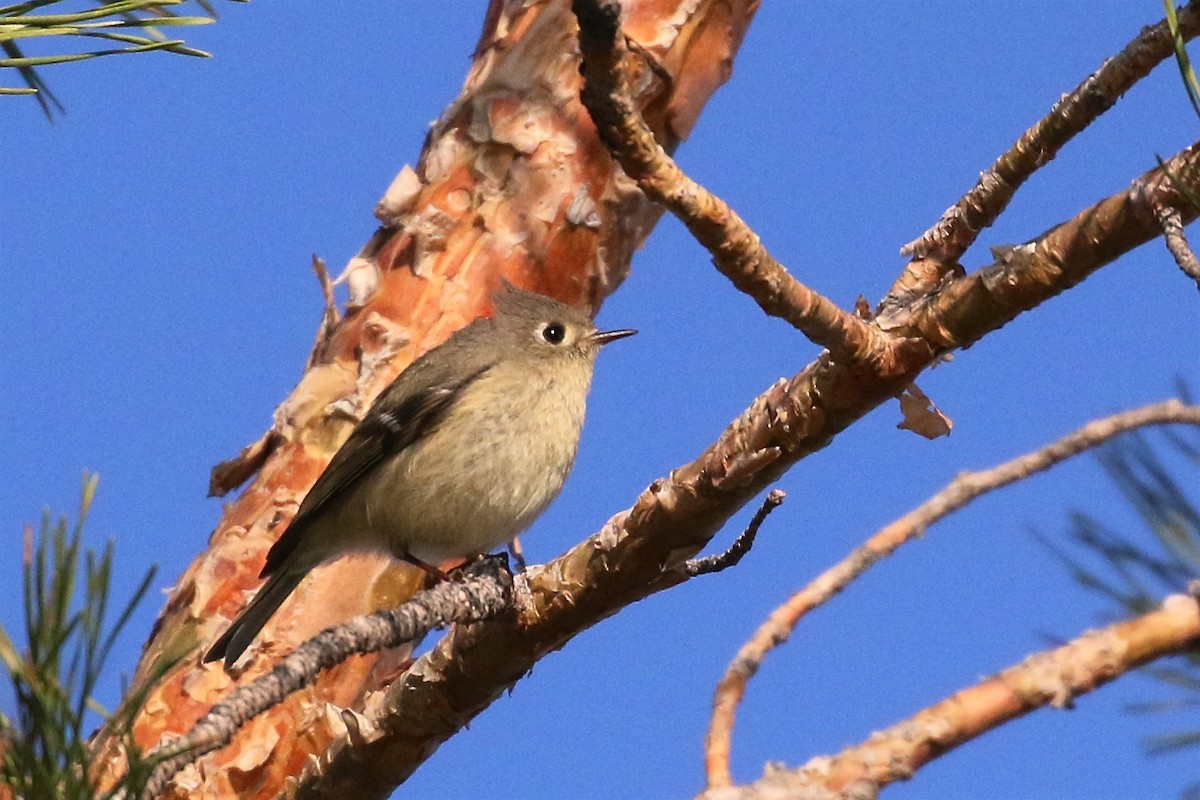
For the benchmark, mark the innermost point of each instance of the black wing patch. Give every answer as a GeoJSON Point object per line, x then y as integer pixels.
{"type": "Point", "coordinates": [381, 433]}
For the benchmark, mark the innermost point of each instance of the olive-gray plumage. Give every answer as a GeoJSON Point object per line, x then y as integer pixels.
{"type": "Point", "coordinates": [456, 457]}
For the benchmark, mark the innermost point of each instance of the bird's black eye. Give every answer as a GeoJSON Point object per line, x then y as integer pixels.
{"type": "Point", "coordinates": [554, 332]}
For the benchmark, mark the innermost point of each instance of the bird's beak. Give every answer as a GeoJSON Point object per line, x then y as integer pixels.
{"type": "Point", "coordinates": [604, 337]}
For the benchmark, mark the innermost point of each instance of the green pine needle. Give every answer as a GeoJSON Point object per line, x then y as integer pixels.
{"type": "Point", "coordinates": [69, 640]}
{"type": "Point", "coordinates": [132, 23]}
{"type": "Point", "coordinates": [1190, 84]}
{"type": "Point", "coordinates": [1159, 484]}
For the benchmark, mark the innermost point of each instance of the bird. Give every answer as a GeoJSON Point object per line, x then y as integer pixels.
{"type": "Point", "coordinates": [457, 456]}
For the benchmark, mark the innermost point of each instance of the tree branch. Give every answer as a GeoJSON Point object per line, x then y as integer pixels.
{"type": "Point", "coordinates": [946, 241]}
{"type": "Point", "coordinates": [485, 590]}
{"type": "Point", "coordinates": [966, 307]}
{"type": "Point", "coordinates": [641, 551]}
{"type": "Point", "coordinates": [965, 488]}
{"type": "Point", "coordinates": [1052, 678]}
{"type": "Point", "coordinates": [741, 545]}
{"type": "Point", "coordinates": [1177, 243]}
{"type": "Point", "coordinates": [736, 249]}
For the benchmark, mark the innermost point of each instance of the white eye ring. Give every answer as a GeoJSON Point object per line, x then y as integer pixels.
{"type": "Point", "coordinates": [554, 332]}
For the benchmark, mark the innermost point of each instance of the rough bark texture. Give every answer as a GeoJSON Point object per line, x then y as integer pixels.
{"type": "Point", "coordinates": [512, 182]}
{"type": "Point", "coordinates": [484, 589]}
{"type": "Point", "coordinates": [959, 226]}
{"type": "Point", "coordinates": [643, 550]}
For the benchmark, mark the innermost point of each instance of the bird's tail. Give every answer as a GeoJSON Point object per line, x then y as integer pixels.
{"type": "Point", "coordinates": [247, 625]}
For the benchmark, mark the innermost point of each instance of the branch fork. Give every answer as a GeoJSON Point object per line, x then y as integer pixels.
{"type": "Point", "coordinates": [737, 251]}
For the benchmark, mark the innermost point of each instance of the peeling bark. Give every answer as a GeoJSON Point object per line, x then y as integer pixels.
{"type": "Point", "coordinates": [512, 182]}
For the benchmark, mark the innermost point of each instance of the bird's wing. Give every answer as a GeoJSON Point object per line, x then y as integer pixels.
{"type": "Point", "coordinates": [407, 411]}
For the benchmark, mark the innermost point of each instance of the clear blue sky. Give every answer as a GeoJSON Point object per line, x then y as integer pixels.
{"type": "Point", "coordinates": [160, 304]}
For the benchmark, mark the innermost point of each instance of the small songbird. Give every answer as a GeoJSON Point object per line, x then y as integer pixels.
{"type": "Point", "coordinates": [456, 457]}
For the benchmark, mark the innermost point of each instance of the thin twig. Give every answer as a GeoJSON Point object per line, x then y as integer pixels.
{"type": "Point", "coordinates": [1177, 243]}
{"type": "Point", "coordinates": [737, 251]}
{"type": "Point", "coordinates": [1061, 257]}
{"type": "Point", "coordinates": [485, 592]}
{"type": "Point", "coordinates": [959, 226]}
{"type": "Point", "coordinates": [233, 472]}
{"type": "Point", "coordinates": [1052, 678]}
{"type": "Point", "coordinates": [741, 545]}
{"type": "Point", "coordinates": [329, 315]}
{"type": "Point", "coordinates": [962, 490]}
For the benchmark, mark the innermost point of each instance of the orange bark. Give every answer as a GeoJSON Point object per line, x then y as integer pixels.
{"type": "Point", "coordinates": [512, 182]}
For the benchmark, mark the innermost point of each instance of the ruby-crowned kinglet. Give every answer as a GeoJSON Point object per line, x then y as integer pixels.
{"type": "Point", "coordinates": [456, 457]}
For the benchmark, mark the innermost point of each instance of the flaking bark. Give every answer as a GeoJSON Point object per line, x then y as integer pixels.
{"type": "Point", "coordinates": [512, 181]}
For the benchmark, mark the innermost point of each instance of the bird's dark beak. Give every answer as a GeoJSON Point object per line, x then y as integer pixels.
{"type": "Point", "coordinates": [604, 337]}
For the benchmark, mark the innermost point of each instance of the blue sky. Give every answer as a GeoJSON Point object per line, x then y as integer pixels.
{"type": "Point", "coordinates": [161, 304]}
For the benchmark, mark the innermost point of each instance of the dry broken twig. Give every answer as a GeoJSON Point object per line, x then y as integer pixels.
{"type": "Point", "coordinates": [1177, 243]}
{"type": "Point", "coordinates": [737, 251]}
{"type": "Point", "coordinates": [741, 545]}
{"type": "Point", "coordinates": [233, 472]}
{"type": "Point", "coordinates": [1052, 678]}
{"type": "Point", "coordinates": [965, 488]}
{"type": "Point", "coordinates": [330, 316]}
{"type": "Point", "coordinates": [484, 590]}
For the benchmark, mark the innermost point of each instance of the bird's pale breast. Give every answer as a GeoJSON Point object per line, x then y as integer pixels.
{"type": "Point", "coordinates": [492, 466]}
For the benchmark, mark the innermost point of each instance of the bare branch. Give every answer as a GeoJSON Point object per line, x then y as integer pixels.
{"type": "Point", "coordinates": [640, 551]}
{"type": "Point", "coordinates": [741, 545]}
{"type": "Point", "coordinates": [1052, 678]}
{"type": "Point", "coordinates": [436, 268]}
{"type": "Point", "coordinates": [485, 591]}
{"type": "Point", "coordinates": [946, 241]}
{"type": "Point", "coordinates": [965, 307]}
{"type": "Point", "coordinates": [1177, 243]}
{"type": "Point", "coordinates": [736, 249]}
{"type": "Point", "coordinates": [965, 488]}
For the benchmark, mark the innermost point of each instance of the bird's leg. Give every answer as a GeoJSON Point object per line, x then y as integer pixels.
{"type": "Point", "coordinates": [430, 570]}
{"type": "Point", "coordinates": [517, 552]}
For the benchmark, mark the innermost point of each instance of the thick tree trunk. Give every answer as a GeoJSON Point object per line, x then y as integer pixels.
{"type": "Point", "coordinates": [512, 182]}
